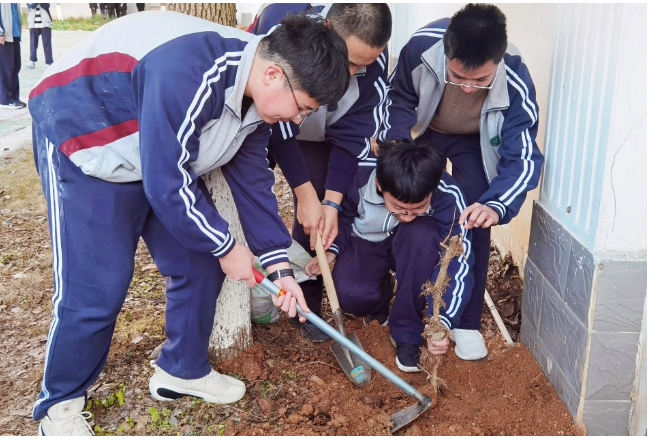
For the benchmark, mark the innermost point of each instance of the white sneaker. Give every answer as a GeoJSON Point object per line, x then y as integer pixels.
{"type": "Point", "coordinates": [469, 344]}
{"type": "Point", "coordinates": [66, 418]}
{"type": "Point", "coordinates": [213, 387]}
{"type": "Point", "coordinates": [30, 65]}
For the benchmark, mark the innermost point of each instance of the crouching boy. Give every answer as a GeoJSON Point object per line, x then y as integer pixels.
{"type": "Point", "coordinates": [395, 217]}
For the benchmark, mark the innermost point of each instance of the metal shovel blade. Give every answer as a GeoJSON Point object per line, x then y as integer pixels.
{"type": "Point", "coordinates": [409, 414]}
{"type": "Point", "coordinates": [356, 369]}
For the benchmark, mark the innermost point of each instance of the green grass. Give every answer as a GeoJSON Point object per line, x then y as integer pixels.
{"type": "Point", "coordinates": [90, 24]}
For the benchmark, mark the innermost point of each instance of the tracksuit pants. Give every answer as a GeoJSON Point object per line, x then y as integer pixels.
{"type": "Point", "coordinates": [46, 34]}
{"type": "Point", "coordinates": [10, 63]}
{"type": "Point", "coordinates": [468, 171]}
{"type": "Point", "coordinates": [362, 276]}
{"type": "Point", "coordinates": [95, 226]}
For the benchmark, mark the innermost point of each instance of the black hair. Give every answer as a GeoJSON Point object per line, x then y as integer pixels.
{"type": "Point", "coordinates": [369, 22]}
{"type": "Point", "coordinates": [408, 171]}
{"type": "Point", "coordinates": [476, 34]}
{"type": "Point", "coordinates": [312, 54]}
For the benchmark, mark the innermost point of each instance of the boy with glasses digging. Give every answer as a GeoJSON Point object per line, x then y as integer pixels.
{"type": "Point", "coordinates": [396, 217]}
{"type": "Point", "coordinates": [460, 85]}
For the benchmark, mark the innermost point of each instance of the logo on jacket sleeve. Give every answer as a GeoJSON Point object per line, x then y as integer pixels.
{"type": "Point", "coordinates": [495, 141]}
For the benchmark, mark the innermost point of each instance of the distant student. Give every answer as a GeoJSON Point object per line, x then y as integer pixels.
{"type": "Point", "coordinates": [39, 20]}
{"type": "Point", "coordinates": [10, 31]}
{"type": "Point", "coordinates": [395, 217]}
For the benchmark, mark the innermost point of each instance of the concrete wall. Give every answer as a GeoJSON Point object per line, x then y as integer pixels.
{"type": "Point", "coordinates": [585, 291]}
{"type": "Point", "coordinates": [534, 38]}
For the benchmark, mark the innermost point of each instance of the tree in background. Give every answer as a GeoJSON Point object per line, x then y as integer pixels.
{"type": "Point", "coordinates": [232, 332]}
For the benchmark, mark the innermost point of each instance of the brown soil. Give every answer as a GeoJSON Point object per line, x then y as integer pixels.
{"type": "Point", "coordinates": [295, 387]}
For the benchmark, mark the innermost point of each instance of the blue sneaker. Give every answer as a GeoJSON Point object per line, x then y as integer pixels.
{"type": "Point", "coordinates": [407, 356]}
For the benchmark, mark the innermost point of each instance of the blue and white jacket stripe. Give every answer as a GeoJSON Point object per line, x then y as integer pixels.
{"type": "Point", "coordinates": [509, 120]}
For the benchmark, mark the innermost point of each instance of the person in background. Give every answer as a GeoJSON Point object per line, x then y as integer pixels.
{"type": "Point", "coordinates": [10, 31]}
{"type": "Point", "coordinates": [39, 20]}
{"type": "Point", "coordinates": [93, 8]}
{"type": "Point", "coordinates": [121, 9]}
{"type": "Point", "coordinates": [460, 85]}
{"type": "Point", "coordinates": [320, 157]}
{"type": "Point", "coordinates": [103, 7]}
{"type": "Point", "coordinates": [140, 6]}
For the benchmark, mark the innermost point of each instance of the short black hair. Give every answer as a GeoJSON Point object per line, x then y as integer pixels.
{"type": "Point", "coordinates": [312, 54]}
{"type": "Point", "coordinates": [408, 171]}
{"type": "Point", "coordinates": [369, 22]}
{"type": "Point", "coordinates": [476, 34]}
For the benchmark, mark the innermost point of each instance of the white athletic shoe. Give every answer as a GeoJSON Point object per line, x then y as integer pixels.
{"type": "Point", "coordinates": [66, 418]}
{"type": "Point", "coordinates": [469, 344]}
{"type": "Point", "coordinates": [213, 387]}
{"type": "Point", "coordinates": [30, 65]}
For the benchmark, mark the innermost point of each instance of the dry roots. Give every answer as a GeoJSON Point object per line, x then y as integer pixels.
{"type": "Point", "coordinates": [435, 330]}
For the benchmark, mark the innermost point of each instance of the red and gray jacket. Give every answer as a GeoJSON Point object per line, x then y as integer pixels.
{"type": "Point", "coordinates": [348, 128]}
{"type": "Point", "coordinates": [132, 103]}
{"type": "Point", "coordinates": [508, 125]}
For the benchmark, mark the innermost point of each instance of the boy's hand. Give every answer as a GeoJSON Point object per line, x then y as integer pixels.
{"type": "Point", "coordinates": [479, 215]}
{"type": "Point", "coordinates": [313, 268]}
{"type": "Point", "coordinates": [330, 226]}
{"type": "Point", "coordinates": [438, 347]}
{"type": "Point", "coordinates": [309, 213]}
{"type": "Point", "coordinates": [294, 296]}
{"type": "Point", "coordinates": [237, 264]}
{"type": "Point", "coordinates": [2, 40]}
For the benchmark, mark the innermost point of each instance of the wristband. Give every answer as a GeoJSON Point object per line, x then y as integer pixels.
{"type": "Point", "coordinates": [280, 274]}
{"type": "Point", "coordinates": [332, 204]}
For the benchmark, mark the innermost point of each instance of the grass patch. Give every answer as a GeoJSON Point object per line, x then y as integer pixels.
{"type": "Point", "coordinates": [89, 24]}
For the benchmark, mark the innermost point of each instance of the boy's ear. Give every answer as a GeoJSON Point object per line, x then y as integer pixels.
{"type": "Point", "coordinates": [272, 73]}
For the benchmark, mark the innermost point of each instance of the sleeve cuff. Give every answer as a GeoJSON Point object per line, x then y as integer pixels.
{"type": "Point", "coordinates": [273, 257]}
{"type": "Point", "coordinates": [334, 249]}
{"type": "Point", "coordinates": [498, 207]}
{"type": "Point", "coordinates": [226, 247]}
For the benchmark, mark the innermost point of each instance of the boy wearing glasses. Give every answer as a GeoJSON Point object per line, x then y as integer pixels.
{"type": "Point", "coordinates": [319, 155]}
{"type": "Point", "coordinates": [122, 134]}
{"type": "Point", "coordinates": [395, 217]}
{"type": "Point", "coordinates": [462, 87]}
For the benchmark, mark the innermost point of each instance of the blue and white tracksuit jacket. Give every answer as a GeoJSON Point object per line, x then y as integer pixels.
{"type": "Point", "coordinates": [348, 128]}
{"type": "Point", "coordinates": [160, 111]}
{"type": "Point", "coordinates": [365, 216]}
{"type": "Point", "coordinates": [508, 124]}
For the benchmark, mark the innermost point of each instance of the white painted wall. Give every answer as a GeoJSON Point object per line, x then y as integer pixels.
{"type": "Point", "coordinates": [623, 214]}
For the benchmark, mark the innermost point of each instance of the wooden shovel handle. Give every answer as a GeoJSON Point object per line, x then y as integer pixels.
{"type": "Point", "coordinates": [326, 274]}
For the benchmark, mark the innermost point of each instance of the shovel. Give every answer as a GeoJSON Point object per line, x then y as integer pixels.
{"type": "Point", "coordinates": [355, 368]}
{"type": "Point", "coordinates": [400, 418]}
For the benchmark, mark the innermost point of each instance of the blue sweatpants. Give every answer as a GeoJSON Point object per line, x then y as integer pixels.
{"type": "Point", "coordinates": [95, 226]}
{"type": "Point", "coordinates": [362, 276]}
{"type": "Point", "coordinates": [468, 171]}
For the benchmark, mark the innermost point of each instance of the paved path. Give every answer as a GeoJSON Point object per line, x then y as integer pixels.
{"type": "Point", "coordinates": [15, 125]}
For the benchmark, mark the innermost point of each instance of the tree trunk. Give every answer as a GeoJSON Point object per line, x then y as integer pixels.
{"type": "Point", "coordinates": [231, 333]}
{"type": "Point", "coordinates": [221, 13]}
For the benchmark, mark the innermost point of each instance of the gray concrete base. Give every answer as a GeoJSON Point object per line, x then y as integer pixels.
{"type": "Point", "coordinates": [582, 317]}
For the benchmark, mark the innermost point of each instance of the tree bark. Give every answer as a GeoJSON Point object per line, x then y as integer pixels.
{"type": "Point", "coordinates": [221, 13]}
{"type": "Point", "coordinates": [231, 333]}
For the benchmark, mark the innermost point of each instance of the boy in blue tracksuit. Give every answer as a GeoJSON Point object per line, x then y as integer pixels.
{"type": "Point", "coordinates": [395, 217]}
{"type": "Point", "coordinates": [122, 133]}
{"type": "Point", "coordinates": [320, 157]}
{"type": "Point", "coordinates": [462, 86]}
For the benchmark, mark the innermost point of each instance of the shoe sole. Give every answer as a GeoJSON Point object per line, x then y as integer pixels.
{"type": "Point", "coordinates": [407, 369]}
{"type": "Point", "coordinates": [163, 392]}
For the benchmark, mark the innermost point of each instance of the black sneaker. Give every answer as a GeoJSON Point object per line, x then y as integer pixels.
{"type": "Point", "coordinates": [407, 356]}
{"type": "Point", "coordinates": [12, 106]}
{"type": "Point", "coordinates": [21, 103]}
{"type": "Point", "coordinates": [309, 331]}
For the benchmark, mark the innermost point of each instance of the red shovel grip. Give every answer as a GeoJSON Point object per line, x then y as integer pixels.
{"type": "Point", "coordinates": [259, 277]}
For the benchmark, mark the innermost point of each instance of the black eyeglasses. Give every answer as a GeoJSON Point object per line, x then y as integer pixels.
{"type": "Point", "coordinates": [429, 212]}
{"type": "Point", "coordinates": [300, 114]}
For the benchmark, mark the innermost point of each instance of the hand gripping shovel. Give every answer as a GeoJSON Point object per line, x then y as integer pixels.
{"type": "Point", "coordinates": [355, 368]}
{"type": "Point", "coordinates": [400, 418]}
